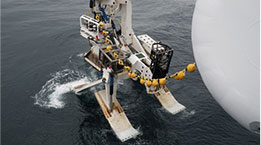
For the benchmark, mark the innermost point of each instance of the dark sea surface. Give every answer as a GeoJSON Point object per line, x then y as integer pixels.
{"type": "Point", "coordinates": [41, 58]}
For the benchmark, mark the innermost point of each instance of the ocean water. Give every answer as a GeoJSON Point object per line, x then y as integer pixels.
{"type": "Point", "coordinates": [41, 60]}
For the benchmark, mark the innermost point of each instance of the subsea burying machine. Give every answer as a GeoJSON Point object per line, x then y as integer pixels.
{"type": "Point", "coordinates": [119, 54]}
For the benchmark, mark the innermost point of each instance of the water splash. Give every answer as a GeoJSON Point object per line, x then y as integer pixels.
{"type": "Point", "coordinates": [187, 114]}
{"type": "Point", "coordinates": [62, 82]}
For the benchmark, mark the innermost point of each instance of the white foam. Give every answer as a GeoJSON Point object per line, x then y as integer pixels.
{"type": "Point", "coordinates": [80, 55]}
{"type": "Point", "coordinates": [187, 114]}
{"type": "Point", "coordinates": [56, 98]}
{"type": "Point", "coordinates": [52, 93]}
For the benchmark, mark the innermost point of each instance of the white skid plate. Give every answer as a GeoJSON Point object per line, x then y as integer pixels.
{"type": "Point", "coordinates": [168, 101]}
{"type": "Point", "coordinates": [117, 119]}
